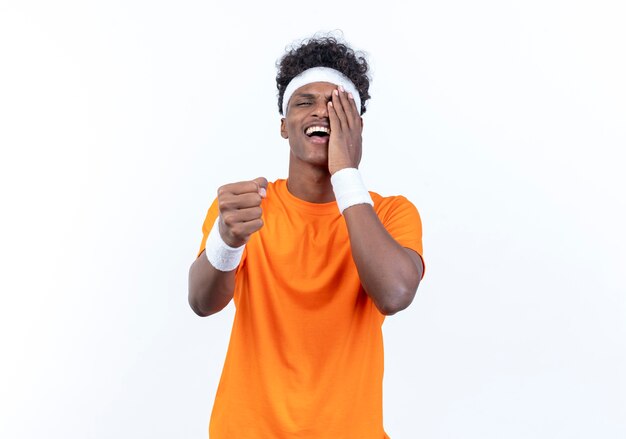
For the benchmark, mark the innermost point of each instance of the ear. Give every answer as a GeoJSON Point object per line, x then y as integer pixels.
{"type": "Point", "coordinates": [283, 129]}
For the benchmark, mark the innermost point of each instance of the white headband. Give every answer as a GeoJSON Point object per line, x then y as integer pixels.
{"type": "Point", "coordinates": [321, 74]}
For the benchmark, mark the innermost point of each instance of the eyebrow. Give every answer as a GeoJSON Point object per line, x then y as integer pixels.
{"type": "Point", "coordinates": [309, 95]}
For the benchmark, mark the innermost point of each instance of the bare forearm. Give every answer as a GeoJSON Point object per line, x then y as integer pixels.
{"type": "Point", "coordinates": [210, 290]}
{"type": "Point", "coordinates": [389, 273]}
{"type": "Point", "coordinates": [239, 205]}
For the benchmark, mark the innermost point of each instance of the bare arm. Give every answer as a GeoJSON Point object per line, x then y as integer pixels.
{"type": "Point", "coordinates": [389, 273]}
{"type": "Point", "coordinates": [210, 289]}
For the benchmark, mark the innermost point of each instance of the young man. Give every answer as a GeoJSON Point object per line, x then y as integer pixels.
{"type": "Point", "coordinates": [314, 264]}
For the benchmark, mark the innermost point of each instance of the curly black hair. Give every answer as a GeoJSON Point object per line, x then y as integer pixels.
{"type": "Point", "coordinates": [325, 51]}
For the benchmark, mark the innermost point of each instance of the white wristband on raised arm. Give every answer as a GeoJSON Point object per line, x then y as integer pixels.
{"type": "Point", "coordinates": [349, 188]}
{"type": "Point", "coordinates": [221, 255]}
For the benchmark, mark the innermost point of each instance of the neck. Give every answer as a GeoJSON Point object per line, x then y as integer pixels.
{"type": "Point", "coordinates": [311, 183]}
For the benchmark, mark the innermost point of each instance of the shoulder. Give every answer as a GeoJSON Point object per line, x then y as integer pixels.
{"type": "Point", "coordinates": [401, 219]}
{"type": "Point", "coordinates": [389, 199]}
{"type": "Point", "coordinates": [392, 205]}
{"type": "Point", "coordinates": [277, 185]}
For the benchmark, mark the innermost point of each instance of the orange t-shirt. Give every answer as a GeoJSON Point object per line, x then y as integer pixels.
{"type": "Point", "coordinates": [305, 358]}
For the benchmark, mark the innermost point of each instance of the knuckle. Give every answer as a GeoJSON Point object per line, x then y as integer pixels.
{"type": "Point", "coordinates": [238, 231]}
{"type": "Point", "coordinates": [228, 219]}
{"type": "Point", "coordinates": [222, 190]}
{"type": "Point", "coordinates": [228, 203]}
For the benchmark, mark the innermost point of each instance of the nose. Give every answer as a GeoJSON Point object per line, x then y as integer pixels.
{"type": "Point", "coordinates": [321, 108]}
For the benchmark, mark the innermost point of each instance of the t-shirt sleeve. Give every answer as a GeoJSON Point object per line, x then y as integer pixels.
{"type": "Point", "coordinates": [211, 216]}
{"type": "Point", "coordinates": [402, 220]}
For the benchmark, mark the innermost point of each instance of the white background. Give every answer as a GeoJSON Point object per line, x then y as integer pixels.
{"type": "Point", "coordinates": [503, 122]}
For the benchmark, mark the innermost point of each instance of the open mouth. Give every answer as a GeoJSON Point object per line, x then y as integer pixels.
{"type": "Point", "coordinates": [317, 131]}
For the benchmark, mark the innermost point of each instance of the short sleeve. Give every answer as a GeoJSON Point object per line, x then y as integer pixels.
{"type": "Point", "coordinates": [211, 216]}
{"type": "Point", "coordinates": [402, 220]}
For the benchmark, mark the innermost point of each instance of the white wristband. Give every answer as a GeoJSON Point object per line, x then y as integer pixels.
{"type": "Point", "coordinates": [349, 188]}
{"type": "Point", "coordinates": [221, 255]}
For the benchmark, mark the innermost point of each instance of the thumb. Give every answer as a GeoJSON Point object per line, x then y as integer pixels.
{"type": "Point", "coordinates": [262, 183]}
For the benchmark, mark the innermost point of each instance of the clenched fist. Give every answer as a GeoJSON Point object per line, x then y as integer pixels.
{"type": "Point", "coordinates": [240, 210]}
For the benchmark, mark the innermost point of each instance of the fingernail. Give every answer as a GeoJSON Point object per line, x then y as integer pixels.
{"type": "Point", "coordinates": [336, 93]}
{"type": "Point", "coordinates": [350, 96]}
{"type": "Point", "coordinates": [262, 192]}
{"type": "Point", "coordinates": [330, 103]}
{"type": "Point", "coordinates": [341, 89]}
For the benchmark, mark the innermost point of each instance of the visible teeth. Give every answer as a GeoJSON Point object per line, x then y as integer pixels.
{"type": "Point", "coordinates": [312, 130]}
